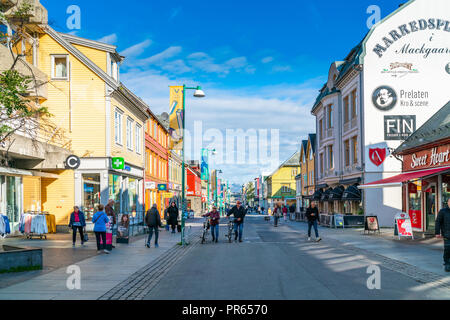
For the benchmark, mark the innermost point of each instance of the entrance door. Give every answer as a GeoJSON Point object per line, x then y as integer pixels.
{"type": "Point", "coordinates": [430, 207]}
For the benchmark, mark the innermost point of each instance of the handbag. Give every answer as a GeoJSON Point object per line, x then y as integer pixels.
{"type": "Point", "coordinates": [86, 236]}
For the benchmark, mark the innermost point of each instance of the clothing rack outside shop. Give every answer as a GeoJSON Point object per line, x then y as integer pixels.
{"type": "Point", "coordinates": [37, 224]}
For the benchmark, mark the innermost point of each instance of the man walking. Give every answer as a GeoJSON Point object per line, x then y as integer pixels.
{"type": "Point", "coordinates": [443, 230]}
{"type": "Point", "coordinates": [312, 214]}
{"type": "Point", "coordinates": [153, 221]}
{"type": "Point", "coordinates": [109, 210]}
{"type": "Point", "coordinates": [239, 214]}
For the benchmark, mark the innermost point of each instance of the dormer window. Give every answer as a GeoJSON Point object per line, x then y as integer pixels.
{"type": "Point", "coordinates": [60, 67]}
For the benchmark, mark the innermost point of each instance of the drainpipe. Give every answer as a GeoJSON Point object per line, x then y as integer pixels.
{"type": "Point", "coordinates": [362, 133]}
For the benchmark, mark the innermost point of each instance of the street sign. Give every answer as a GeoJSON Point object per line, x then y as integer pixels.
{"type": "Point", "coordinates": [162, 187]}
{"type": "Point", "coordinates": [73, 162]}
{"type": "Point", "coordinates": [118, 163]}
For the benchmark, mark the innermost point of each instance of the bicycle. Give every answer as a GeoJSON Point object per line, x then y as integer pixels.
{"type": "Point", "coordinates": [206, 227]}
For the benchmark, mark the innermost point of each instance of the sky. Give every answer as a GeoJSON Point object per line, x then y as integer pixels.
{"type": "Point", "coordinates": [260, 63]}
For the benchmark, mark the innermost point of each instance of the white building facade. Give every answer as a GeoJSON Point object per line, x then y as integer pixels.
{"type": "Point", "coordinates": [387, 87]}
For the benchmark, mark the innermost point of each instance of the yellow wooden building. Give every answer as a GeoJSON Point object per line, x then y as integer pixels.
{"type": "Point", "coordinates": [281, 184]}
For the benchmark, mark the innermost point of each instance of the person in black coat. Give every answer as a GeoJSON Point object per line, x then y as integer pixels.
{"type": "Point", "coordinates": [443, 230]}
{"type": "Point", "coordinates": [312, 214]}
{"type": "Point", "coordinates": [239, 215]}
{"type": "Point", "coordinates": [153, 221]}
{"type": "Point", "coordinates": [173, 216]}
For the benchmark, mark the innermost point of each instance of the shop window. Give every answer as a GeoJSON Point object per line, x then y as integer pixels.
{"type": "Point", "coordinates": [114, 190]}
{"type": "Point", "coordinates": [91, 194]}
{"type": "Point", "coordinates": [415, 204]}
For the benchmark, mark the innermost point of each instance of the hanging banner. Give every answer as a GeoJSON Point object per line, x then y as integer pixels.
{"type": "Point", "coordinates": [205, 166]}
{"type": "Point", "coordinates": [176, 117]}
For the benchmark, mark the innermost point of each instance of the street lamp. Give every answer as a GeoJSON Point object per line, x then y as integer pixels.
{"type": "Point", "coordinates": [197, 94]}
{"type": "Point", "coordinates": [213, 152]}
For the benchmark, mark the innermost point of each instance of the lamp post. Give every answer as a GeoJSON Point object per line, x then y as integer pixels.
{"type": "Point", "coordinates": [198, 94]}
{"type": "Point", "coordinates": [215, 190]}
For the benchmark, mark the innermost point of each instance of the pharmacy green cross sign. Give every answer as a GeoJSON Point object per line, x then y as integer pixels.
{"type": "Point", "coordinates": [118, 163]}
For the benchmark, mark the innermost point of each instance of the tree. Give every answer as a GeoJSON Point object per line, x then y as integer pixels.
{"type": "Point", "coordinates": [18, 111]}
{"type": "Point", "coordinates": [250, 192]}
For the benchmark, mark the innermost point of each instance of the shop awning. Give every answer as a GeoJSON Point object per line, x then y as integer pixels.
{"type": "Point", "coordinates": [13, 171]}
{"type": "Point", "coordinates": [336, 194]}
{"type": "Point", "coordinates": [317, 195]}
{"type": "Point", "coordinates": [397, 181]}
{"type": "Point", "coordinates": [326, 195]}
{"type": "Point", "coordinates": [352, 193]}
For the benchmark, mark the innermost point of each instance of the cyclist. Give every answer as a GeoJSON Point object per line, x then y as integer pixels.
{"type": "Point", "coordinates": [214, 216]}
{"type": "Point", "coordinates": [239, 215]}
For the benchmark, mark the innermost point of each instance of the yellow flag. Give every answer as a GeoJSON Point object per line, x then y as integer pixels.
{"type": "Point", "coordinates": [176, 117]}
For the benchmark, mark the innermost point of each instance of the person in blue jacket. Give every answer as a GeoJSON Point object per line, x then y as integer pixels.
{"type": "Point", "coordinates": [77, 223]}
{"type": "Point", "coordinates": [100, 220]}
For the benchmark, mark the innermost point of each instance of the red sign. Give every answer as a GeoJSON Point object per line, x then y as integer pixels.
{"type": "Point", "coordinates": [377, 156]}
{"type": "Point", "coordinates": [404, 227]}
{"type": "Point", "coordinates": [416, 218]}
{"type": "Point", "coordinates": [427, 159]}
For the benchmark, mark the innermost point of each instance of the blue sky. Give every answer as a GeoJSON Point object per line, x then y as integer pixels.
{"type": "Point", "coordinates": [260, 63]}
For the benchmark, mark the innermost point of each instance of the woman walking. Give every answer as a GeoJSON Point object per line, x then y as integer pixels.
{"type": "Point", "coordinates": [173, 216]}
{"type": "Point", "coordinates": [285, 213]}
{"type": "Point", "coordinates": [214, 216]}
{"type": "Point", "coordinates": [100, 220]}
{"type": "Point", "coordinates": [276, 215]}
{"type": "Point", "coordinates": [77, 223]}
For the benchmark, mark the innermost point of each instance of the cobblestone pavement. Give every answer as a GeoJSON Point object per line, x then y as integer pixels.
{"type": "Point", "coordinates": [141, 283]}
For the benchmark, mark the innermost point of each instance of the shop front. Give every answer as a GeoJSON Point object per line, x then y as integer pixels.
{"type": "Point", "coordinates": [96, 182]}
{"type": "Point", "coordinates": [425, 180]}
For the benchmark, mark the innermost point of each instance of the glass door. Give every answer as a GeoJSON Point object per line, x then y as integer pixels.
{"type": "Point", "coordinates": [91, 191]}
{"type": "Point", "coordinates": [430, 207]}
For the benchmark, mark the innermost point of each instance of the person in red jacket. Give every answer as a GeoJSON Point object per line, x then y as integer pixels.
{"type": "Point", "coordinates": [214, 216]}
{"type": "Point", "coordinates": [285, 212]}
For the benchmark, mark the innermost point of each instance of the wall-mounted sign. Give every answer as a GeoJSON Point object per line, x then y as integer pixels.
{"type": "Point", "coordinates": [431, 158]}
{"type": "Point", "coordinates": [118, 163]}
{"type": "Point", "coordinates": [162, 187]}
{"type": "Point", "coordinates": [377, 156]}
{"type": "Point", "coordinates": [399, 127]}
{"type": "Point", "coordinates": [72, 162]}
{"type": "Point", "coordinates": [150, 185]}
{"type": "Point", "coordinates": [384, 98]}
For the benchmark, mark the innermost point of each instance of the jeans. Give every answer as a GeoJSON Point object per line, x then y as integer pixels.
{"type": "Point", "coordinates": [150, 235]}
{"type": "Point", "coordinates": [316, 229]}
{"type": "Point", "coordinates": [215, 231]}
{"type": "Point", "coordinates": [238, 230]}
{"type": "Point", "coordinates": [103, 236]}
{"type": "Point", "coordinates": [447, 251]}
{"type": "Point", "coordinates": [74, 236]}
{"type": "Point", "coordinates": [275, 219]}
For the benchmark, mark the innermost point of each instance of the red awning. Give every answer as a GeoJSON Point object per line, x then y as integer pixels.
{"type": "Point", "coordinates": [398, 180]}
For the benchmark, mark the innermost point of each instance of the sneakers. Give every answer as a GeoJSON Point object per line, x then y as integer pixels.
{"type": "Point", "coordinates": [73, 244]}
{"type": "Point", "coordinates": [147, 245]}
{"type": "Point", "coordinates": [156, 246]}
{"type": "Point", "coordinates": [309, 239]}
{"type": "Point", "coordinates": [217, 241]}
{"type": "Point", "coordinates": [318, 240]}
{"type": "Point", "coordinates": [106, 251]}
{"type": "Point", "coordinates": [240, 241]}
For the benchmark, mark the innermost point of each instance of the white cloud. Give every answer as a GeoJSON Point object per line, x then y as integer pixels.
{"type": "Point", "coordinates": [137, 49]}
{"type": "Point", "coordinates": [175, 12]}
{"type": "Point", "coordinates": [159, 57]}
{"type": "Point", "coordinates": [267, 60]}
{"type": "Point", "coordinates": [203, 62]}
{"type": "Point", "coordinates": [109, 39]}
{"type": "Point", "coordinates": [285, 107]}
{"type": "Point", "coordinates": [281, 68]}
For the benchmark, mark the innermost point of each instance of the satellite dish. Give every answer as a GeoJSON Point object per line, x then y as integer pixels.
{"type": "Point", "coordinates": [165, 116]}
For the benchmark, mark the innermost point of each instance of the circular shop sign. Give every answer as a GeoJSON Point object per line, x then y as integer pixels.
{"type": "Point", "coordinates": [447, 68]}
{"type": "Point", "coordinates": [384, 98]}
{"type": "Point", "coordinates": [73, 162]}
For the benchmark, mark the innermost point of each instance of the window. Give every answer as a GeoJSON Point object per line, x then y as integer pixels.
{"type": "Point", "coordinates": [311, 154]}
{"type": "Point", "coordinates": [155, 131]}
{"type": "Point", "coordinates": [321, 129]}
{"type": "Point", "coordinates": [138, 138]}
{"type": "Point", "coordinates": [311, 178]}
{"type": "Point", "coordinates": [118, 126]}
{"type": "Point", "coordinates": [294, 172]}
{"type": "Point", "coordinates": [286, 188]}
{"type": "Point", "coordinates": [305, 180]}
{"type": "Point", "coordinates": [355, 149]}
{"type": "Point", "coordinates": [347, 152]}
{"type": "Point", "coordinates": [130, 134]}
{"type": "Point", "coordinates": [346, 110]}
{"type": "Point", "coordinates": [147, 162]}
{"type": "Point", "coordinates": [330, 157]}
{"type": "Point", "coordinates": [321, 163]}
{"type": "Point", "coordinates": [330, 116]}
{"type": "Point", "coordinates": [60, 65]}
{"type": "Point", "coordinates": [354, 108]}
